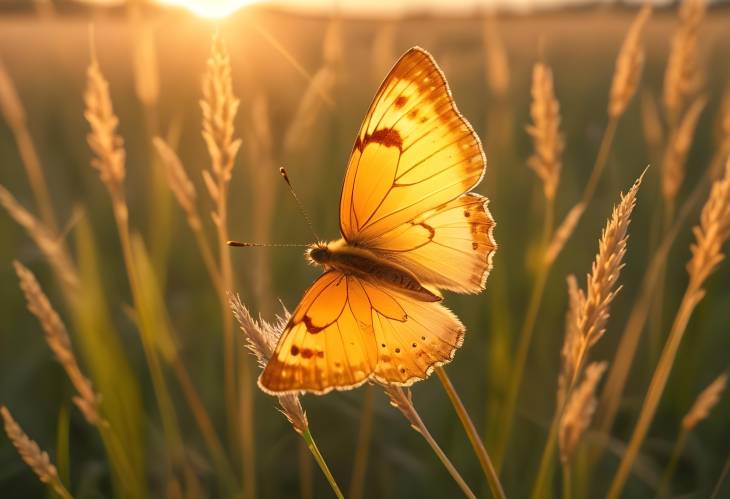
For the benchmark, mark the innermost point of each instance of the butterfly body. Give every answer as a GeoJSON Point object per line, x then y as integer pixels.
{"type": "Point", "coordinates": [410, 227]}
{"type": "Point", "coordinates": [365, 264]}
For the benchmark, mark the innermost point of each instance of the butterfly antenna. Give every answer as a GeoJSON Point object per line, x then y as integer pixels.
{"type": "Point", "coordinates": [241, 244]}
{"type": "Point", "coordinates": [293, 193]}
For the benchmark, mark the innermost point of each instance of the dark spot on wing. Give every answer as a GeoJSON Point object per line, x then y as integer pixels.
{"type": "Point", "coordinates": [307, 353]}
{"type": "Point", "coordinates": [294, 350]}
{"type": "Point", "coordinates": [310, 326]}
{"type": "Point", "coordinates": [389, 137]}
{"type": "Point", "coordinates": [400, 101]}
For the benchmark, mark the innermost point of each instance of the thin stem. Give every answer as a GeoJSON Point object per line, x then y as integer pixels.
{"type": "Point", "coordinates": [59, 489]}
{"type": "Point", "coordinates": [312, 446]}
{"type": "Point", "coordinates": [476, 442]}
{"type": "Point", "coordinates": [403, 401]}
{"type": "Point", "coordinates": [526, 333]}
{"type": "Point", "coordinates": [33, 170]}
{"type": "Point", "coordinates": [208, 258]}
{"type": "Point", "coordinates": [658, 382]}
{"type": "Point", "coordinates": [226, 284]}
{"type": "Point", "coordinates": [359, 467]}
{"type": "Point", "coordinates": [723, 474]}
{"type": "Point", "coordinates": [567, 483]}
{"type": "Point", "coordinates": [235, 405]}
{"type": "Point", "coordinates": [601, 159]}
{"type": "Point", "coordinates": [666, 482]}
{"type": "Point", "coordinates": [114, 446]}
{"type": "Point", "coordinates": [546, 460]}
{"type": "Point", "coordinates": [205, 425]}
{"type": "Point", "coordinates": [305, 472]}
{"type": "Point", "coordinates": [162, 395]}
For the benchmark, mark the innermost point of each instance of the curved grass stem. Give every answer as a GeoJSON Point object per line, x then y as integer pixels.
{"type": "Point", "coordinates": [359, 467]}
{"type": "Point", "coordinates": [312, 446]}
{"type": "Point", "coordinates": [691, 298]}
{"type": "Point", "coordinates": [666, 481]}
{"type": "Point", "coordinates": [486, 463]}
{"type": "Point", "coordinates": [601, 159]}
{"type": "Point", "coordinates": [525, 339]}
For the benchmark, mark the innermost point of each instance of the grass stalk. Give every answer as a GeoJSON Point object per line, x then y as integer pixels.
{"type": "Point", "coordinates": [207, 429]}
{"type": "Point", "coordinates": [525, 340]}
{"type": "Point", "coordinates": [476, 442]}
{"type": "Point", "coordinates": [666, 481]}
{"type": "Point", "coordinates": [312, 446]}
{"type": "Point", "coordinates": [567, 481]}
{"type": "Point", "coordinates": [306, 482]}
{"type": "Point", "coordinates": [656, 389]}
{"type": "Point", "coordinates": [219, 107]}
{"type": "Point", "coordinates": [403, 401]}
{"type": "Point", "coordinates": [545, 468]}
{"type": "Point", "coordinates": [14, 113]}
{"type": "Point", "coordinates": [362, 451]}
{"type": "Point", "coordinates": [601, 159]}
{"type": "Point", "coordinates": [723, 474]}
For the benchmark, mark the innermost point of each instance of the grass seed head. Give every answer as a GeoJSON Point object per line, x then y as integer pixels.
{"type": "Point", "coordinates": [579, 411]}
{"type": "Point", "coordinates": [29, 451]}
{"type": "Point", "coordinates": [683, 76]}
{"type": "Point", "coordinates": [602, 281]}
{"type": "Point", "coordinates": [706, 401]}
{"type": "Point", "coordinates": [496, 61]}
{"type": "Point", "coordinates": [545, 130]}
{"type": "Point", "coordinates": [261, 340]}
{"type": "Point", "coordinates": [219, 106]}
{"type": "Point", "coordinates": [47, 241]}
{"type": "Point", "coordinates": [712, 232]}
{"type": "Point", "coordinates": [177, 179]}
{"type": "Point", "coordinates": [675, 156]}
{"type": "Point", "coordinates": [58, 341]}
{"type": "Point", "coordinates": [629, 65]}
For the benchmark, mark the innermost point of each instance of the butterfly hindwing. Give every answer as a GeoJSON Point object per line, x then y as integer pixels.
{"type": "Point", "coordinates": [415, 155]}
{"type": "Point", "coordinates": [379, 333]}
{"type": "Point", "coordinates": [449, 247]}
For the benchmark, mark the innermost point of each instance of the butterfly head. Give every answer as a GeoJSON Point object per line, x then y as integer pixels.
{"type": "Point", "coordinates": [318, 254]}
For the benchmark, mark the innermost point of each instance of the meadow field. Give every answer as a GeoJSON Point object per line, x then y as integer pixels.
{"type": "Point", "coordinates": [156, 395]}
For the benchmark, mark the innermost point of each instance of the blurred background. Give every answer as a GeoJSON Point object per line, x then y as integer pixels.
{"type": "Point", "coordinates": [305, 73]}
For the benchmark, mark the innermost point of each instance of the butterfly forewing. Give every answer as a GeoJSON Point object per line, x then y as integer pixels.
{"type": "Point", "coordinates": [414, 159]}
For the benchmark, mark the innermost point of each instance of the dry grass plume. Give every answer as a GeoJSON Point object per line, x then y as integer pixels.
{"type": "Point", "coordinates": [545, 130]}
{"type": "Point", "coordinates": [706, 401]}
{"type": "Point", "coordinates": [103, 139]}
{"type": "Point", "coordinates": [683, 76]}
{"type": "Point", "coordinates": [31, 453]}
{"type": "Point", "coordinates": [58, 341]}
{"type": "Point", "coordinates": [629, 65]}
{"type": "Point", "coordinates": [579, 411]}
{"type": "Point", "coordinates": [678, 146]}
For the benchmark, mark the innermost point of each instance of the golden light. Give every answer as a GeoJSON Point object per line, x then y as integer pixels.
{"type": "Point", "coordinates": [212, 9]}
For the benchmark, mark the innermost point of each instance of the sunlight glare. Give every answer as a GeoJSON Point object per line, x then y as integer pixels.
{"type": "Point", "coordinates": [211, 9]}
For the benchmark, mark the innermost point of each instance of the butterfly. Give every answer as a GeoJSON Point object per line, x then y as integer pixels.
{"type": "Point", "coordinates": [410, 227]}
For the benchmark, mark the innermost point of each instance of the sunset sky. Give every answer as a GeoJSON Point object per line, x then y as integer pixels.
{"type": "Point", "coordinates": [219, 8]}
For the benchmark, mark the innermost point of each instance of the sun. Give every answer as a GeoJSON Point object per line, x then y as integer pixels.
{"type": "Point", "coordinates": [212, 9]}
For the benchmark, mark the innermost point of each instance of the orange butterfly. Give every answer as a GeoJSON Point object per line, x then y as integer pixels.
{"type": "Point", "coordinates": [409, 227]}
